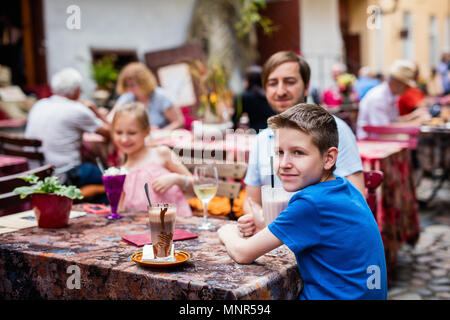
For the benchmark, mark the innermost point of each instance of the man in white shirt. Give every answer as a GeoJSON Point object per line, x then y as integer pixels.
{"type": "Point", "coordinates": [379, 105]}
{"type": "Point", "coordinates": [285, 79]}
{"type": "Point", "coordinates": [59, 122]}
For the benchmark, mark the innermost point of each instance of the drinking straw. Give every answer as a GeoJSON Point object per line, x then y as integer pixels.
{"type": "Point", "coordinates": [100, 165]}
{"type": "Point", "coordinates": [147, 194]}
{"type": "Point", "coordinates": [271, 172]}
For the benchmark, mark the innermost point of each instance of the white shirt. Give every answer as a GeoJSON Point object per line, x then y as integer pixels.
{"type": "Point", "coordinates": [259, 170]}
{"type": "Point", "coordinates": [60, 123]}
{"type": "Point", "coordinates": [377, 108]}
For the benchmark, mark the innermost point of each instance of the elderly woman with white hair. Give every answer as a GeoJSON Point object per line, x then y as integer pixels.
{"type": "Point", "coordinates": [59, 122]}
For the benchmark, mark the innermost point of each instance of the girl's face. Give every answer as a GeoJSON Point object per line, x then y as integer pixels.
{"type": "Point", "coordinates": [128, 134]}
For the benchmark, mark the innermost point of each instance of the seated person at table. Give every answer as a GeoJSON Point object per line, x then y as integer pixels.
{"type": "Point", "coordinates": [253, 101]}
{"type": "Point", "coordinates": [137, 83]}
{"type": "Point", "coordinates": [327, 223]}
{"type": "Point", "coordinates": [285, 78]}
{"type": "Point", "coordinates": [339, 94]}
{"type": "Point", "coordinates": [60, 121]}
{"type": "Point", "coordinates": [157, 166]}
{"type": "Point", "coordinates": [379, 105]}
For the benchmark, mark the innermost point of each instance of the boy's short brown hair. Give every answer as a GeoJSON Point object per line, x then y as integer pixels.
{"type": "Point", "coordinates": [312, 120]}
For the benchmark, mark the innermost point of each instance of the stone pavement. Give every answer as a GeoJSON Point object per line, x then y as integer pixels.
{"type": "Point", "coordinates": [422, 272]}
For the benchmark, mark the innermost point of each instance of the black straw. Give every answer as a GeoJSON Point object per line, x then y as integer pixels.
{"type": "Point", "coordinates": [146, 193]}
{"type": "Point", "coordinates": [271, 172]}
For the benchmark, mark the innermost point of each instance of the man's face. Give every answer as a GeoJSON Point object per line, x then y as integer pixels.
{"type": "Point", "coordinates": [398, 87]}
{"type": "Point", "coordinates": [285, 87]}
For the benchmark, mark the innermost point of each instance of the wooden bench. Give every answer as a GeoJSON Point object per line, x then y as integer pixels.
{"type": "Point", "coordinates": [15, 145]}
{"type": "Point", "coordinates": [11, 202]}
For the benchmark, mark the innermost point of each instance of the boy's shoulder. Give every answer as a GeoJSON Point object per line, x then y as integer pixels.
{"type": "Point", "coordinates": [328, 190]}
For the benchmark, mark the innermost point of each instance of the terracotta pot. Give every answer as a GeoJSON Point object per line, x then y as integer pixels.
{"type": "Point", "coordinates": [51, 211]}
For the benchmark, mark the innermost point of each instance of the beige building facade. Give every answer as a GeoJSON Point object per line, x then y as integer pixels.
{"type": "Point", "coordinates": [418, 30]}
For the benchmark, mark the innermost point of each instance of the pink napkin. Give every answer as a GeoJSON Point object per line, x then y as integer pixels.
{"type": "Point", "coordinates": [142, 239]}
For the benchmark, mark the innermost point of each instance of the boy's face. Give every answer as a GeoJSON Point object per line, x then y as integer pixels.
{"type": "Point", "coordinates": [285, 87]}
{"type": "Point", "coordinates": [298, 162]}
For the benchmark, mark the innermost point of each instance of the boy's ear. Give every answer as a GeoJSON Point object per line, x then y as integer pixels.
{"type": "Point", "coordinates": [330, 157]}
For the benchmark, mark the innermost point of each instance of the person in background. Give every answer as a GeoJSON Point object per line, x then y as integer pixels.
{"type": "Point", "coordinates": [157, 165]}
{"type": "Point", "coordinates": [253, 101]}
{"type": "Point", "coordinates": [339, 93]}
{"type": "Point", "coordinates": [365, 82]}
{"type": "Point", "coordinates": [60, 121]}
{"type": "Point", "coordinates": [285, 79]}
{"type": "Point", "coordinates": [379, 106]}
{"type": "Point", "coordinates": [414, 97]}
{"type": "Point", "coordinates": [443, 69]}
{"type": "Point", "coordinates": [137, 83]}
{"type": "Point", "coordinates": [327, 223]}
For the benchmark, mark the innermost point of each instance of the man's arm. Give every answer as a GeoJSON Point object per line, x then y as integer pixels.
{"type": "Point", "coordinates": [357, 179]}
{"type": "Point", "coordinates": [417, 117]}
{"type": "Point", "coordinates": [105, 128]}
{"type": "Point", "coordinates": [253, 192]}
{"type": "Point", "coordinates": [246, 250]}
{"type": "Point", "coordinates": [175, 117]}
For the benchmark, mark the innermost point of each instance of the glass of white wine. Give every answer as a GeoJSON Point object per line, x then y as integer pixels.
{"type": "Point", "coordinates": [206, 181]}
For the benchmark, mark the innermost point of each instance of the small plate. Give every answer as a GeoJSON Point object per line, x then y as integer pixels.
{"type": "Point", "coordinates": [180, 257]}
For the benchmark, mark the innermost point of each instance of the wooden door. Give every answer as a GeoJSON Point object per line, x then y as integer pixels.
{"type": "Point", "coordinates": [285, 14]}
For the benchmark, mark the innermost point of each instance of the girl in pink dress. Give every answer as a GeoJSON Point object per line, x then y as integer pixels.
{"type": "Point", "coordinates": [158, 166]}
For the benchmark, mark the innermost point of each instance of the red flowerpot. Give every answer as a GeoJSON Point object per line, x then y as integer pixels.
{"type": "Point", "coordinates": [51, 211]}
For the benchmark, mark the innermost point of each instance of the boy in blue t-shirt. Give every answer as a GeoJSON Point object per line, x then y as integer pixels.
{"type": "Point", "coordinates": [327, 223]}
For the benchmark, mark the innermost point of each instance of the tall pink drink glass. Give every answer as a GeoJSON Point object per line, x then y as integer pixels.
{"type": "Point", "coordinates": [274, 200]}
{"type": "Point", "coordinates": [114, 187]}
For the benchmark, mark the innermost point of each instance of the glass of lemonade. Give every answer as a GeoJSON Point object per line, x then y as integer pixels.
{"type": "Point", "coordinates": [206, 182]}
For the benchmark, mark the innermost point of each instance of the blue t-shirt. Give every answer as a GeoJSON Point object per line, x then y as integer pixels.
{"type": "Point", "coordinates": [336, 241]}
{"type": "Point", "coordinates": [259, 171]}
{"type": "Point", "coordinates": [159, 103]}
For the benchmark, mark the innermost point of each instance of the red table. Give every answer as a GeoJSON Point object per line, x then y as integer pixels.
{"type": "Point", "coordinates": [397, 207]}
{"type": "Point", "coordinates": [11, 165]}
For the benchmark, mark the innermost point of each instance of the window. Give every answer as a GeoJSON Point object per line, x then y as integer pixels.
{"type": "Point", "coordinates": [407, 37]}
{"type": "Point", "coordinates": [434, 42]}
{"type": "Point", "coordinates": [447, 35]}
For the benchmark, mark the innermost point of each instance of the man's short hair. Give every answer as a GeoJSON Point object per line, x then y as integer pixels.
{"type": "Point", "coordinates": [281, 57]}
{"type": "Point", "coordinates": [66, 81]}
{"type": "Point", "coordinates": [311, 119]}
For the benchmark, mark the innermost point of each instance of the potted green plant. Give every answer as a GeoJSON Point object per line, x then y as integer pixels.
{"type": "Point", "coordinates": [51, 201]}
{"type": "Point", "coordinates": [104, 73]}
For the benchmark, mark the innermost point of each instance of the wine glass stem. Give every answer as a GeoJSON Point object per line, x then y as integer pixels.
{"type": "Point", "coordinates": [205, 212]}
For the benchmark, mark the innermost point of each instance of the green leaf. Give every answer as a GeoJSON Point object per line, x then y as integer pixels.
{"type": "Point", "coordinates": [49, 185]}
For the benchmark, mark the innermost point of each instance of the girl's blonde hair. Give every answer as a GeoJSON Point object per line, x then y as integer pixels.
{"type": "Point", "coordinates": [138, 72]}
{"type": "Point", "coordinates": [137, 109]}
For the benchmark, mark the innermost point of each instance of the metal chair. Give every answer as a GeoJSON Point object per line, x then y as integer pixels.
{"type": "Point", "coordinates": [11, 202]}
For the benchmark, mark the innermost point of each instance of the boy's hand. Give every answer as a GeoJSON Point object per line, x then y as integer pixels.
{"type": "Point", "coordinates": [164, 182]}
{"type": "Point", "coordinates": [246, 225]}
{"type": "Point", "coordinates": [249, 224]}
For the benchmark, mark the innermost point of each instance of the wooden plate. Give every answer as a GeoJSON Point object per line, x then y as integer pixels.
{"type": "Point", "coordinates": [180, 257]}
